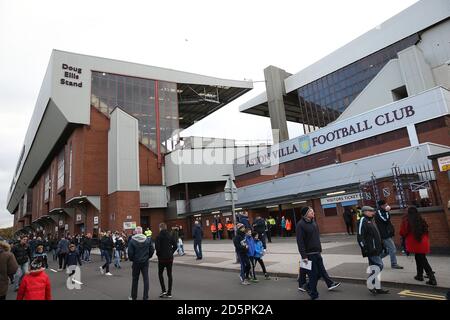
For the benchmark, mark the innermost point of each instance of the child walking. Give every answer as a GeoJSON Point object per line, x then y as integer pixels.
{"type": "Point", "coordinates": [35, 284]}
{"type": "Point", "coordinates": [257, 251]}
{"type": "Point", "coordinates": [72, 260]}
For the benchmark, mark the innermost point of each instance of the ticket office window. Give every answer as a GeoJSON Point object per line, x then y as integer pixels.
{"type": "Point", "coordinates": [330, 210]}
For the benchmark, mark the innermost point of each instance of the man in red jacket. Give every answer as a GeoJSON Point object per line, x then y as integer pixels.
{"type": "Point", "coordinates": [35, 285]}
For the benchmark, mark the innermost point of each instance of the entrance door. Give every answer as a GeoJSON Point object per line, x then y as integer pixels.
{"type": "Point", "coordinates": [145, 222]}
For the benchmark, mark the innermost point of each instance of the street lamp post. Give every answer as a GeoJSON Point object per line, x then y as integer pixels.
{"type": "Point", "coordinates": [231, 195]}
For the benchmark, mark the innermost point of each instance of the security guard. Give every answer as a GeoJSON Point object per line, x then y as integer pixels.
{"type": "Point", "coordinates": [270, 225]}
{"type": "Point", "coordinates": [148, 233]}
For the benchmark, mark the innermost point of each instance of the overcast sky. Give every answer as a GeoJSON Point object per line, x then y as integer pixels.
{"type": "Point", "coordinates": [233, 39]}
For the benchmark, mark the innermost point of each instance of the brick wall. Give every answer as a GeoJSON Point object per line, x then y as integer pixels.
{"type": "Point", "coordinates": [149, 174]}
{"type": "Point", "coordinates": [120, 205]}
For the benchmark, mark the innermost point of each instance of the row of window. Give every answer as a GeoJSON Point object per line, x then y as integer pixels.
{"type": "Point", "coordinates": [138, 97]}
{"type": "Point", "coordinates": [333, 93]}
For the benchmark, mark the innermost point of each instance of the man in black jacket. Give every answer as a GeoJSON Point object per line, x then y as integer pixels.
{"type": "Point", "coordinates": [371, 244]}
{"type": "Point", "coordinates": [384, 224]}
{"type": "Point", "coordinates": [87, 246]}
{"type": "Point", "coordinates": [165, 246]}
{"type": "Point", "coordinates": [107, 245]}
{"type": "Point", "coordinates": [260, 226]}
{"type": "Point", "coordinates": [310, 248]}
{"type": "Point", "coordinates": [197, 234]}
{"type": "Point", "coordinates": [140, 250]}
{"type": "Point", "coordinates": [241, 247]}
{"type": "Point", "coordinates": [22, 252]}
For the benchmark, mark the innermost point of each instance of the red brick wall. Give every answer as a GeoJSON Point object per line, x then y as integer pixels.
{"type": "Point", "coordinates": [436, 130]}
{"type": "Point", "coordinates": [149, 174]}
{"type": "Point", "coordinates": [95, 155]}
{"type": "Point", "coordinates": [120, 205]}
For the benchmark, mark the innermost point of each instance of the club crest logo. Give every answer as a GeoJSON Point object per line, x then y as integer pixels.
{"type": "Point", "coordinates": [305, 144]}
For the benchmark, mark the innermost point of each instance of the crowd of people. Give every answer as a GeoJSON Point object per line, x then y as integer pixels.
{"type": "Point", "coordinates": [23, 263]}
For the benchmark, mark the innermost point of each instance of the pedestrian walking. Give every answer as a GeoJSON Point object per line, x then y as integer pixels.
{"type": "Point", "coordinates": [22, 253]}
{"type": "Point", "coordinates": [63, 249]}
{"type": "Point", "coordinates": [165, 246]}
{"type": "Point", "coordinates": [387, 232]}
{"type": "Point", "coordinates": [180, 246]}
{"type": "Point", "coordinates": [54, 247]}
{"type": "Point", "coordinates": [414, 229]}
{"type": "Point", "coordinates": [87, 246]}
{"type": "Point", "coordinates": [348, 219]}
{"type": "Point", "coordinates": [255, 253]}
{"type": "Point", "coordinates": [259, 225]}
{"type": "Point", "coordinates": [107, 246]}
{"type": "Point", "coordinates": [119, 245]}
{"type": "Point", "coordinates": [310, 248]}
{"type": "Point", "coordinates": [41, 253]}
{"type": "Point", "coordinates": [197, 234]}
{"type": "Point", "coordinates": [241, 248]}
{"type": "Point", "coordinates": [140, 251]}
{"type": "Point", "coordinates": [73, 260]}
{"type": "Point", "coordinates": [36, 283]}
{"type": "Point", "coordinates": [371, 244]}
{"type": "Point", "coordinates": [8, 267]}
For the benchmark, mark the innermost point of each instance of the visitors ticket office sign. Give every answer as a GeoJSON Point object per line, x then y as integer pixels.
{"type": "Point", "coordinates": [428, 105]}
{"type": "Point", "coordinates": [339, 199]}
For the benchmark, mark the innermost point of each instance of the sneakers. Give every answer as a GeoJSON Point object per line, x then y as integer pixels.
{"type": "Point", "coordinates": [302, 288]}
{"type": "Point", "coordinates": [60, 269]}
{"type": "Point", "coordinates": [254, 280]}
{"type": "Point", "coordinates": [419, 278]}
{"type": "Point", "coordinates": [162, 294]}
{"type": "Point", "coordinates": [169, 295]}
{"type": "Point", "coordinates": [266, 277]}
{"type": "Point", "coordinates": [108, 274]}
{"type": "Point", "coordinates": [397, 267]}
{"type": "Point", "coordinates": [101, 270]}
{"type": "Point", "coordinates": [379, 291]}
{"type": "Point", "coordinates": [334, 286]}
{"type": "Point", "coordinates": [245, 283]}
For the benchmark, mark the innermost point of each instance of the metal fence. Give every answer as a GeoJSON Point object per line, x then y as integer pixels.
{"type": "Point", "coordinates": [411, 186]}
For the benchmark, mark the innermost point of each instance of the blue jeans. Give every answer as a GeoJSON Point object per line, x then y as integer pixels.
{"type": "Point", "coordinates": [117, 258]}
{"type": "Point", "coordinates": [317, 271]}
{"type": "Point", "coordinates": [180, 249]}
{"type": "Point", "coordinates": [23, 268]}
{"type": "Point", "coordinates": [390, 247]}
{"type": "Point", "coordinates": [198, 248]}
{"type": "Point", "coordinates": [87, 255]}
{"type": "Point", "coordinates": [375, 261]}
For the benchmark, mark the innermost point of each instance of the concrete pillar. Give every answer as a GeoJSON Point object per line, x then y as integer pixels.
{"type": "Point", "coordinates": [275, 91]}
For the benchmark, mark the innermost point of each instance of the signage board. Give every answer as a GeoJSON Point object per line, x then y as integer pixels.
{"type": "Point", "coordinates": [396, 115]}
{"type": "Point", "coordinates": [341, 198]}
{"type": "Point", "coordinates": [444, 164]}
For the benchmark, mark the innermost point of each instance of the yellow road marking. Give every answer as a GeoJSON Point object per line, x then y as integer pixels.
{"type": "Point", "coordinates": [410, 293]}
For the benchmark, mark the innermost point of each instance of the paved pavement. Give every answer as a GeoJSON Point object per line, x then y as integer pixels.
{"type": "Point", "coordinates": [194, 283]}
{"type": "Point", "coordinates": [341, 255]}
